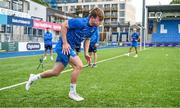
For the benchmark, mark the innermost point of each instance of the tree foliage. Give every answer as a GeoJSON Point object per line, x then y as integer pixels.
{"type": "Point", "coordinates": [41, 2]}
{"type": "Point", "coordinates": [175, 2]}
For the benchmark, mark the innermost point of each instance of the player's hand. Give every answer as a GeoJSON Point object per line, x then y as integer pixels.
{"type": "Point", "coordinates": [88, 59]}
{"type": "Point", "coordinates": [65, 48]}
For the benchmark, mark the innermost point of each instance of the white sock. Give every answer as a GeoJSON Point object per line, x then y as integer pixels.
{"type": "Point", "coordinates": [51, 57]}
{"type": "Point", "coordinates": [72, 88]}
{"type": "Point", "coordinates": [36, 77]}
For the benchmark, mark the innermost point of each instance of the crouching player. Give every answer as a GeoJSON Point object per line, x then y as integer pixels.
{"type": "Point", "coordinates": [74, 31]}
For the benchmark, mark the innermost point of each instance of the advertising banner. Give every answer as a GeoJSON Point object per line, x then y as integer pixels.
{"type": "Point", "coordinates": [19, 21]}
{"type": "Point", "coordinates": [43, 25]}
{"type": "Point", "coordinates": [9, 46]}
{"type": "Point", "coordinates": [30, 46]}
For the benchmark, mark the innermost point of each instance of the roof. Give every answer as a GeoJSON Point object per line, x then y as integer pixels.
{"type": "Point", "coordinates": [164, 8]}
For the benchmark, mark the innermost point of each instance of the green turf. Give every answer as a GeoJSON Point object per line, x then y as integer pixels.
{"type": "Point", "coordinates": [151, 80]}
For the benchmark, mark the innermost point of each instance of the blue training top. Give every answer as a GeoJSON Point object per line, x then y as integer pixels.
{"type": "Point", "coordinates": [48, 38]}
{"type": "Point", "coordinates": [79, 29]}
{"type": "Point", "coordinates": [135, 37]}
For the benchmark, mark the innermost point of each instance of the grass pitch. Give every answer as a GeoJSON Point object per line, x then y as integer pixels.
{"type": "Point", "coordinates": [151, 80]}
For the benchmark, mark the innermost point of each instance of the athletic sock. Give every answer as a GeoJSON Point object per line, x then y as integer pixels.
{"type": "Point", "coordinates": [36, 77]}
{"type": "Point", "coordinates": [72, 88]}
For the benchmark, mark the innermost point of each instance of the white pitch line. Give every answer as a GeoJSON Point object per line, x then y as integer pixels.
{"type": "Point", "coordinates": [15, 85]}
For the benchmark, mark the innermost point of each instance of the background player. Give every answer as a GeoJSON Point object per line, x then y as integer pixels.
{"type": "Point", "coordinates": [134, 42]}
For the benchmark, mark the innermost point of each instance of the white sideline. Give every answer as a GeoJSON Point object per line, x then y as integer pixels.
{"type": "Point", "coordinates": [65, 71]}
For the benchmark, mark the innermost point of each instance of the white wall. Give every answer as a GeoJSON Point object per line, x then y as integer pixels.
{"type": "Point", "coordinates": [37, 10]}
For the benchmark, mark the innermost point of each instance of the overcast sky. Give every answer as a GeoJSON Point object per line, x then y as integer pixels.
{"type": "Point", "coordinates": [148, 2]}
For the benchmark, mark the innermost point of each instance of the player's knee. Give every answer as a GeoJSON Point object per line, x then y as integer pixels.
{"type": "Point", "coordinates": [79, 67]}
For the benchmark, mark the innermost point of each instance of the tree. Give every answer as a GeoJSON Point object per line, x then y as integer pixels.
{"type": "Point", "coordinates": [41, 2]}
{"type": "Point", "coordinates": [175, 2]}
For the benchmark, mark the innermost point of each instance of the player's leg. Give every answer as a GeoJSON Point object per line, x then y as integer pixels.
{"type": "Point", "coordinates": [95, 56]}
{"type": "Point", "coordinates": [71, 64]}
{"type": "Point", "coordinates": [58, 67]}
{"type": "Point", "coordinates": [130, 49]}
{"type": "Point", "coordinates": [77, 66]}
{"type": "Point", "coordinates": [45, 52]}
{"type": "Point", "coordinates": [90, 54]}
{"type": "Point", "coordinates": [95, 59]}
{"type": "Point", "coordinates": [136, 51]}
{"type": "Point", "coordinates": [135, 47]}
{"type": "Point", "coordinates": [61, 62]}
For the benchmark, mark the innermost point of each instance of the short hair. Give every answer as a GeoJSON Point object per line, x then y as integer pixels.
{"type": "Point", "coordinates": [97, 12]}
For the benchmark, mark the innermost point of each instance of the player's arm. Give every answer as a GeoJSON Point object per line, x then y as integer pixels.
{"type": "Point", "coordinates": [66, 46]}
{"type": "Point", "coordinates": [138, 40]}
{"type": "Point", "coordinates": [86, 49]}
{"type": "Point", "coordinates": [86, 46]}
{"type": "Point", "coordinates": [138, 37]}
{"type": "Point", "coordinates": [131, 37]}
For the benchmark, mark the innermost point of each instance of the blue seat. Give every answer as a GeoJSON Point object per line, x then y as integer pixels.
{"type": "Point", "coordinates": [161, 38]}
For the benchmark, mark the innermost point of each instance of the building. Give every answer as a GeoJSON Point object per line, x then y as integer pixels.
{"type": "Point", "coordinates": [15, 17]}
{"type": "Point", "coordinates": [23, 23]}
{"type": "Point", "coordinates": [119, 14]}
{"type": "Point", "coordinates": [45, 17]}
{"type": "Point", "coordinates": [55, 16]}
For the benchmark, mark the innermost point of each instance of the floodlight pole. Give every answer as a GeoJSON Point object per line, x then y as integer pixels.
{"type": "Point", "coordinates": [143, 23]}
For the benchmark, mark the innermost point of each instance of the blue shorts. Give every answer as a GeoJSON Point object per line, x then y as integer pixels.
{"type": "Point", "coordinates": [92, 49]}
{"type": "Point", "coordinates": [48, 46]}
{"type": "Point", "coordinates": [134, 44]}
{"type": "Point", "coordinates": [64, 59]}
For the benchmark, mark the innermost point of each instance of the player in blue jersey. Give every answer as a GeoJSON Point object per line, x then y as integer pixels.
{"type": "Point", "coordinates": [74, 31]}
{"type": "Point", "coordinates": [134, 42]}
{"type": "Point", "coordinates": [48, 44]}
{"type": "Point", "coordinates": [93, 48]}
